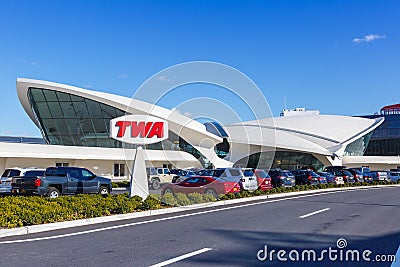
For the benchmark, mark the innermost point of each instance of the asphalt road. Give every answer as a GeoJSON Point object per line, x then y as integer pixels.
{"type": "Point", "coordinates": [227, 236]}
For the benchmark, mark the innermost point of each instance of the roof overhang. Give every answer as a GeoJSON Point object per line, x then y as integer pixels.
{"type": "Point", "coordinates": [192, 131]}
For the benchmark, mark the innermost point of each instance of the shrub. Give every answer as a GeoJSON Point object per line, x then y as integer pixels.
{"type": "Point", "coordinates": [182, 199]}
{"type": "Point", "coordinates": [195, 198]}
{"type": "Point", "coordinates": [169, 200]}
{"type": "Point", "coordinates": [152, 202]}
{"type": "Point", "coordinates": [208, 198]}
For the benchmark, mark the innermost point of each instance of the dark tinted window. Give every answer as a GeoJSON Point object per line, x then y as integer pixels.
{"type": "Point", "coordinates": [194, 180]}
{"type": "Point", "coordinates": [61, 172]}
{"type": "Point", "coordinates": [235, 172]}
{"type": "Point", "coordinates": [248, 173]}
{"type": "Point", "coordinates": [34, 173]}
{"type": "Point", "coordinates": [50, 171]}
{"type": "Point", "coordinates": [219, 173]}
{"type": "Point", "coordinates": [11, 173]}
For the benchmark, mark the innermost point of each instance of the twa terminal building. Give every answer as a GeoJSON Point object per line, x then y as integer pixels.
{"type": "Point", "coordinates": [75, 125]}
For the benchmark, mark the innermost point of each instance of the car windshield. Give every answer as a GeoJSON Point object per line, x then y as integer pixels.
{"type": "Point", "coordinates": [313, 174]}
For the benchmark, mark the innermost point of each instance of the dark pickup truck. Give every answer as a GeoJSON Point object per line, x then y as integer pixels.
{"type": "Point", "coordinates": [62, 181]}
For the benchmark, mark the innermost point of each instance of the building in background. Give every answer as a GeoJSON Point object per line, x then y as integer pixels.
{"type": "Point", "coordinates": [383, 149]}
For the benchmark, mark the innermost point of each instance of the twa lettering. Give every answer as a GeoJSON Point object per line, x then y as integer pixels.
{"type": "Point", "coordinates": [140, 129]}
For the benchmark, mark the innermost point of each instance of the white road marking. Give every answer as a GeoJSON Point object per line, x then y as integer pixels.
{"type": "Point", "coordinates": [188, 255]}
{"type": "Point", "coordinates": [163, 219]}
{"type": "Point", "coordinates": [313, 213]}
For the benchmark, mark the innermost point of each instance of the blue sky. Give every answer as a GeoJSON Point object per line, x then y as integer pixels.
{"type": "Point", "coordinates": [341, 57]}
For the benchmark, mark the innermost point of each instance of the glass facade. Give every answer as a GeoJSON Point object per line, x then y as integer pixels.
{"type": "Point", "coordinates": [71, 120]}
{"type": "Point", "coordinates": [285, 160]}
{"type": "Point", "coordinates": [385, 140]}
{"type": "Point", "coordinates": [359, 146]}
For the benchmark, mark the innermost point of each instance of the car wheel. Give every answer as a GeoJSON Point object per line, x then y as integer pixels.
{"type": "Point", "coordinates": [168, 191]}
{"type": "Point", "coordinates": [104, 190]}
{"type": "Point", "coordinates": [211, 192]}
{"type": "Point", "coordinates": [53, 192]}
{"type": "Point", "coordinates": [155, 184]}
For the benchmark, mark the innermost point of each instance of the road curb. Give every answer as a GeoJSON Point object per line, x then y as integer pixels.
{"type": "Point", "coordinates": [119, 217]}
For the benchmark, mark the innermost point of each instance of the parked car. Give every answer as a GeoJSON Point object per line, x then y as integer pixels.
{"type": "Point", "coordinates": [245, 177]}
{"type": "Point", "coordinates": [165, 175]}
{"type": "Point", "coordinates": [306, 177]}
{"type": "Point", "coordinates": [395, 176]}
{"type": "Point", "coordinates": [330, 178]}
{"type": "Point", "coordinates": [204, 185]}
{"type": "Point", "coordinates": [263, 180]}
{"type": "Point", "coordinates": [8, 174]}
{"type": "Point", "coordinates": [376, 175]}
{"type": "Point", "coordinates": [62, 181]}
{"type": "Point", "coordinates": [346, 175]}
{"type": "Point", "coordinates": [152, 178]}
{"type": "Point", "coordinates": [334, 168]}
{"type": "Point", "coordinates": [359, 176]}
{"type": "Point", "coordinates": [182, 175]}
{"type": "Point", "coordinates": [282, 178]}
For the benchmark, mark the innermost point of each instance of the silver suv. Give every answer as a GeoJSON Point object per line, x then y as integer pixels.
{"type": "Point", "coordinates": [245, 177]}
{"type": "Point", "coordinates": [8, 174]}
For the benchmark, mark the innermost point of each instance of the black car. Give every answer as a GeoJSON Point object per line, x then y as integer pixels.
{"type": "Point", "coordinates": [282, 178]}
{"type": "Point", "coordinates": [306, 177]}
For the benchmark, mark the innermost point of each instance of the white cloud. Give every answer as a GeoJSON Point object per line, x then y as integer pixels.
{"type": "Point", "coordinates": [369, 38]}
{"type": "Point", "coordinates": [33, 63]}
{"type": "Point", "coordinates": [163, 78]}
{"type": "Point", "coordinates": [122, 76]}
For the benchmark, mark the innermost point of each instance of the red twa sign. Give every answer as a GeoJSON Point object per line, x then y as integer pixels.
{"type": "Point", "coordinates": [138, 129]}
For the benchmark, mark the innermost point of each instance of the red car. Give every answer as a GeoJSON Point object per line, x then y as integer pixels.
{"type": "Point", "coordinates": [263, 179]}
{"type": "Point", "coordinates": [203, 185]}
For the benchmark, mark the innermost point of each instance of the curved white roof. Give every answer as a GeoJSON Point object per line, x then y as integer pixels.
{"type": "Point", "coordinates": [178, 123]}
{"type": "Point", "coordinates": [321, 134]}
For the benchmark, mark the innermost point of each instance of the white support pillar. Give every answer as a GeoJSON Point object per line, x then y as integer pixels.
{"type": "Point", "coordinates": [139, 184]}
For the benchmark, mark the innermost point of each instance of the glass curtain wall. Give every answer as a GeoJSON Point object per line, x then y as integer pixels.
{"type": "Point", "coordinates": [285, 160]}
{"type": "Point", "coordinates": [70, 120]}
